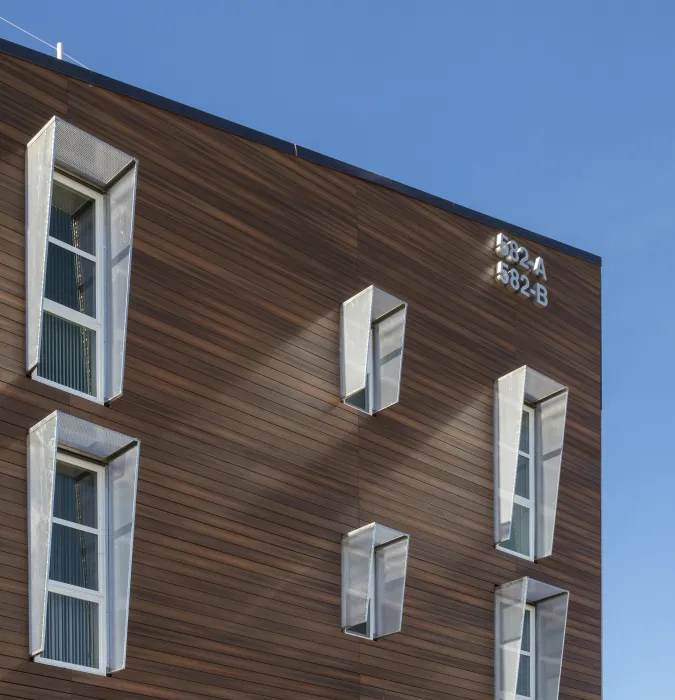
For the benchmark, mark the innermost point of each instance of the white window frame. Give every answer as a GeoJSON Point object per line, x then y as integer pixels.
{"type": "Point", "coordinates": [532, 654]}
{"type": "Point", "coordinates": [100, 596]}
{"type": "Point", "coordinates": [529, 503]}
{"type": "Point", "coordinates": [55, 309]}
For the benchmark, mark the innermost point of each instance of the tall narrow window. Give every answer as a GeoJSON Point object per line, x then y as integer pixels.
{"type": "Point", "coordinates": [529, 436]}
{"type": "Point", "coordinates": [371, 350]}
{"type": "Point", "coordinates": [530, 623]}
{"type": "Point", "coordinates": [523, 520]}
{"type": "Point", "coordinates": [71, 351]}
{"type": "Point", "coordinates": [76, 623]}
{"type": "Point", "coordinates": [81, 509]}
{"type": "Point", "coordinates": [374, 563]}
{"type": "Point", "coordinates": [526, 666]}
{"type": "Point", "coordinates": [80, 203]}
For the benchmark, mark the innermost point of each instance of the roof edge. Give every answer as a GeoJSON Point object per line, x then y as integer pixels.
{"type": "Point", "coordinates": [117, 86]}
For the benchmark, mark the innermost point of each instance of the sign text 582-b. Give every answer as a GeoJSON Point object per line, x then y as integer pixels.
{"type": "Point", "coordinates": [519, 272]}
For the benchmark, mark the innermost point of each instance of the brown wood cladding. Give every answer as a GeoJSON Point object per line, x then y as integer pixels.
{"type": "Point", "coordinates": [251, 469]}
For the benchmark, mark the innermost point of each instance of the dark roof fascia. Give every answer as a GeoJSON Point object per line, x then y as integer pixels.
{"type": "Point", "coordinates": [103, 81]}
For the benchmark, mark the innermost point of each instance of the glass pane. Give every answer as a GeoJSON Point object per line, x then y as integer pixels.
{"type": "Point", "coordinates": [523, 686]}
{"type": "Point", "coordinates": [75, 495]}
{"type": "Point", "coordinates": [525, 433]}
{"type": "Point", "coordinates": [72, 630]}
{"type": "Point", "coordinates": [72, 218]}
{"type": "Point", "coordinates": [520, 531]}
{"type": "Point", "coordinates": [71, 280]}
{"type": "Point", "coordinates": [74, 557]}
{"type": "Point", "coordinates": [68, 354]}
{"type": "Point", "coordinates": [525, 645]}
{"type": "Point", "coordinates": [523, 477]}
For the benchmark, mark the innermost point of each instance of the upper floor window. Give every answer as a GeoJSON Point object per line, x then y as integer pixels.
{"type": "Point", "coordinates": [71, 348]}
{"type": "Point", "coordinates": [81, 509]}
{"type": "Point", "coordinates": [371, 350]}
{"type": "Point", "coordinates": [530, 411]}
{"type": "Point", "coordinates": [76, 625]}
{"type": "Point", "coordinates": [523, 520]}
{"type": "Point", "coordinates": [80, 199]}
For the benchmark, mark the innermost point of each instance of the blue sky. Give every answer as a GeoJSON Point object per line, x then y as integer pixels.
{"type": "Point", "coordinates": [559, 117]}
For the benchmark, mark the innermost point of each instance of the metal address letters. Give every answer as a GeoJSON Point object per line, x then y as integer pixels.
{"type": "Point", "coordinates": [516, 269]}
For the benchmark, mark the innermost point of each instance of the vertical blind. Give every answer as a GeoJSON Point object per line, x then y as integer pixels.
{"type": "Point", "coordinates": [72, 633]}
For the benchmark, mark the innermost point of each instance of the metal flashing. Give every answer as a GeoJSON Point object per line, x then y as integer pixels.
{"type": "Point", "coordinates": [99, 80]}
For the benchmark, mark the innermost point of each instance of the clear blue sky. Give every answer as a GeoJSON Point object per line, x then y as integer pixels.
{"type": "Point", "coordinates": [559, 117]}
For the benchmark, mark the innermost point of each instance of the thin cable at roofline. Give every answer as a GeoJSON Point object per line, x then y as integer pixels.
{"type": "Point", "coordinates": [21, 29]}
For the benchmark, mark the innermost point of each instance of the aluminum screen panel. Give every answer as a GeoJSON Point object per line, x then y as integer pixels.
{"type": "Point", "coordinates": [391, 562]}
{"type": "Point", "coordinates": [357, 553]}
{"type": "Point", "coordinates": [41, 477]}
{"type": "Point", "coordinates": [355, 342]}
{"type": "Point", "coordinates": [122, 204]}
{"type": "Point", "coordinates": [39, 175]}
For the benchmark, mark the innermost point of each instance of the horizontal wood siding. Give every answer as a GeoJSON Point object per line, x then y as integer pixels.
{"type": "Point", "coordinates": [251, 469]}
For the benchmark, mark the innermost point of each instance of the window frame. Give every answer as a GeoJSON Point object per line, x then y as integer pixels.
{"type": "Point", "coordinates": [101, 596]}
{"type": "Point", "coordinates": [531, 502]}
{"type": "Point", "coordinates": [532, 653]}
{"type": "Point", "coordinates": [71, 315]}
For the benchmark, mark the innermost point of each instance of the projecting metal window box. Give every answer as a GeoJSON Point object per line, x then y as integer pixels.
{"type": "Point", "coordinates": [374, 564]}
{"type": "Point", "coordinates": [530, 622]}
{"type": "Point", "coordinates": [530, 411]}
{"type": "Point", "coordinates": [80, 200]}
{"type": "Point", "coordinates": [81, 508]}
{"type": "Point", "coordinates": [372, 332]}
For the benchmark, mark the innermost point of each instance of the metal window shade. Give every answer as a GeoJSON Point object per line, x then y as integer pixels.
{"type": "Point", "coordinates": [374, 563]}
{"type": "Point", "coordinates": [355, 332]}
{"type": "Point", "coordinates": [86, 156]}
{"type": "Point", "coordinates": [357, 549]}
{"type": "Point", "coordinates": [550, 400]}
{"type": "Point", "coordinates": [39, 174]}
{"type": "Point", "coordinates": [390, 568]}
{"type": "Point", "coordinates": [60, 144]}
{"type": "Point", "coordinates": [551, 623]}
{"type": "Point", "coordinates": [551, 618]}
{"type": "Point", "coordinates": [121, 209]}
{"type": "Point", "coordinates": [372, 328]}
{"type": "Point", "coordinates": [121, 455]}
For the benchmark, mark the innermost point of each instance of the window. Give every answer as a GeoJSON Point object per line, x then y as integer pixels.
{"type": "Point", "coordinates": [521, 541]}
{"type": "Point", "coordinates": [529, 429]}
{"type": "Point", "coordinates": [80, 199]}
{"type": "Point", "coordinates": [530, 623]}
{"type": "Point", "coordinates": [371, 350]}
{"type": "Point", "coordinates": [374, 563]}
{"type": "Point", "coordinates": [81, 509]}
{"type": "Point", "coordinates": [526, 668]}
{"type": "Point", "coordinates": [71, 351]}
{"type": "Point", "coordinates": [76, 626]}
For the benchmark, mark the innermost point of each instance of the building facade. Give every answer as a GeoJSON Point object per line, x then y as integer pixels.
{"type": "Point", "coordinates": [274, 427]}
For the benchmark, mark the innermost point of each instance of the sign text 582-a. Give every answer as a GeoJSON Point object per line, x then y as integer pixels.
{"type": "Point", "coordinates": [519, 272]}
